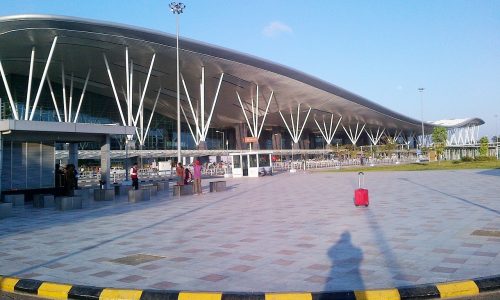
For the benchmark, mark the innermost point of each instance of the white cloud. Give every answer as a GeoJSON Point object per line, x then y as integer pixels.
{"type": "Point", "coordinates": [276, 28]}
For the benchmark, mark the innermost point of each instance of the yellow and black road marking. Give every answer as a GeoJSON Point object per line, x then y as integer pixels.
{"type": "Point", "coordinates": [53, 290]}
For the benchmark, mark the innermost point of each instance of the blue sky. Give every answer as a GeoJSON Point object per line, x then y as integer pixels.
{"type": "Point", "coordinates": [381, 50]}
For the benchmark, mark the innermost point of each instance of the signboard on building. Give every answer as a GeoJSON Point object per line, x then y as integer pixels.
{"type": "Point", "coordinates": [250, 139]}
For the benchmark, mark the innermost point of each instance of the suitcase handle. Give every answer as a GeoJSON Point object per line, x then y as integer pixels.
{"type": "Point", "coordinates": [361, 175]}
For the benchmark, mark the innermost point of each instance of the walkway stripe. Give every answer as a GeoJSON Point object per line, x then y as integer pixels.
{"type": "Point", "coordinates": [288, 296]}
{"type": "Point", "coordinates": [117, 294]}
{"type": "Point", "coordinates": [7, 284]}
{"type": "Point", "coordinates": [389, 294]}
{"type": "Point", "coordinates": [199, 296]}
{"type": "Point", "coordinates": [456, 289]}
{"type": "Point", "coordinates": [54, 290]}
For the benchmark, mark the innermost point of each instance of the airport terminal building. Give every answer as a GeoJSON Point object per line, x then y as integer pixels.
{"type": "Point", "coordinates": [92, 85]}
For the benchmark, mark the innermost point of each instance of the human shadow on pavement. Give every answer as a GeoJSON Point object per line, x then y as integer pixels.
{"type": "Point", "coordinates": [345, 260]}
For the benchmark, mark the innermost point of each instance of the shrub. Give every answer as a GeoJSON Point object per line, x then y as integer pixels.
{"type": "Point", "coordinates": [485, 158]}
{"type": "Point", "coordinates": [467, 159]}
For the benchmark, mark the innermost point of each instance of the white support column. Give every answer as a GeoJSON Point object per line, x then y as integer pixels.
{"type": "Point", "coordinates": [152, 113]}
{"type": "Point", "coordinates": [47, 64]}
{"type": "Point", "coordinates": [375, 138]}
{"type": "Point", "coordinates": [26, 113]}
{"type": "Point", "coordinates": [9, 95]}
{"type": "Point", "coordinates": [328, 134]}
{"type": "Point", "coordinates": [245, 114]}
{"type": "Point", "coordinates": [196, 137]}
{"type": "Point", "coordinates": [265, 113]}
{"type": "Point", "coordinates": [81, 96]}
{"type": "Point", "coordinates": [213, 107]}
{"type": "Point", "coordinates": [65, 105]}
{"type": "Point", "coordinates": [201, 126]}
{"type": "Point", "coordinates": [53, 99]}
{"type": "Point", "coordinates": [131, 94]}
{"type": "Point", "coordinates": [354, 137]}
{"type": "Point", "coordinates": [70, 105]}
{"type": "Point", "coordinates": [114, 89]}
{"type": "Point", "coordinates": [295, 133]}
{"type": "Point", "coordinates": [127, 95]}
{"type": "Point", "coordinates": [141, 103]}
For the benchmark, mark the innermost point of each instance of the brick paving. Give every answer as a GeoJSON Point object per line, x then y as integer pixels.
{"type": "Point", "coordinates": [289, 232]}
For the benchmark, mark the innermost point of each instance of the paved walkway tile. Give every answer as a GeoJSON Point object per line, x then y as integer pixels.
{"type": "Point", "coordinates": [288, 232]}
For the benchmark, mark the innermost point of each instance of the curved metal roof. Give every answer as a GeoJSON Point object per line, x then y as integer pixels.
{"type": "Point", "coordinates": [457, 123]}
{"type": "Point", "coordinates": [81, 44]}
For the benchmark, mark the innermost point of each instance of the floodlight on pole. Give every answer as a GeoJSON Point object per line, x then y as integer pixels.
{"type": "Point", "coordinates": [421, 91]}
{"type": "Point", "coordinates": [177, 9]}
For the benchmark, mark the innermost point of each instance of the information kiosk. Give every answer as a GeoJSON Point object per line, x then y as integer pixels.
{"type": "Point", "coordinates": [252, 164]}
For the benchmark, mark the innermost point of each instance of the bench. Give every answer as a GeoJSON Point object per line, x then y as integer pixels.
{"type": "Point", "coordinates": [138, 195]}
{"type": "Point", "coordinates": [15, 199]}
{"type": "Point", "coordinates": [43, 200]}
{"type": "Point", "coordinates": [122, 189]}
{"type": "Point", "coordinates": [161, 186]}
{"type": "Point", "coordinates": [84, 193]}
{"type": "Point", "coordinates": [217, 186]}
{"type": "Point", "coordinates": [183, 190]}
{"type": "Point", "coordinates": [104, 194]}
{"type": "Point", "coordinates": [5, 210]}
{"type": "Point", "coordinates": [68, 203]}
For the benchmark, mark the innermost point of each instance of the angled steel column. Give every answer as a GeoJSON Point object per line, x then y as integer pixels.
{"type": "Point", "coordinates": [70, 105]}
{"type": "Point", "coordinates": [114, 89]}
{"type": "Point", "coordinates": [49, 59]}
{"type": "Point", "coordinates": [53, 98]}
{"type": "Point", "coordinates": [9, 95]}
{"type": "Point", "coordinates": [354, 137]}
{"type": "Point", "coordinates": [81, 96]}
{"type": "Point", "coordinates": [141, 103]}
{"type": "Point", "coordinates": [328, 134]}
{"type": "Point", "coordinates": [375, 138]}
{"type": "Point", "coordinates": [63, 80]}
{"type": "Point", "coordinates": [26, 112]}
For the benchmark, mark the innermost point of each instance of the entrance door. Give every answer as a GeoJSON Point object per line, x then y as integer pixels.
{"type": "Point", "coordinates": [244, 164]}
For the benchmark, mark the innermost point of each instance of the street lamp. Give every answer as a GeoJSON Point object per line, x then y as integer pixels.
{"type": "Point", "coordinates": [421, 91]}
{"type": "Point", "coordinates": [177, 9]}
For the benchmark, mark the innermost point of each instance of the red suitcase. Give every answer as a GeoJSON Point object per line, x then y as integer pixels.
{"type": "Point", "coordinates": [361, 194]}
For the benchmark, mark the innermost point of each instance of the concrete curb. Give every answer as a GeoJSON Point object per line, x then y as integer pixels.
{"type": "Point", "coordinates": [53, 290]}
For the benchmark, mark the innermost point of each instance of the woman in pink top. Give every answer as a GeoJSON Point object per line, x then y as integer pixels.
{"type": "Point", "coordinates": [197, 177]}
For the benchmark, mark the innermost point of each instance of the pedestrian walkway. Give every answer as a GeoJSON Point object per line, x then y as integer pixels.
{"type": "Point", "coordinates": [289, 232]}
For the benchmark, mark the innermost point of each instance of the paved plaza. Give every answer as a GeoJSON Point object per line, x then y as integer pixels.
{"type": "Point", "coordinates": [288, 232]}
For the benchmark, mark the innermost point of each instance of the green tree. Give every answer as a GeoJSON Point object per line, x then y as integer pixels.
{"type": "Point", "coordinates": [439, 136]}
{"type": "Point", "coordinates": [483, 146]}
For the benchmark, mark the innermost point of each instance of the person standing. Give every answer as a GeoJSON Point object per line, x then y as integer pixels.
{"type": "Point", "coordinates": [197, 177]}
{"type": "Point", "coordinates": [134, 176]}
{"type": "Point", "coordinates": [179, 171]}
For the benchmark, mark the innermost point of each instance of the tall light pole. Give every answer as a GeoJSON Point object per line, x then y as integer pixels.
{"type": "Point", "coordinates": [421, 91]}
{"type": "Point", "coordinates": [177, 9]}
